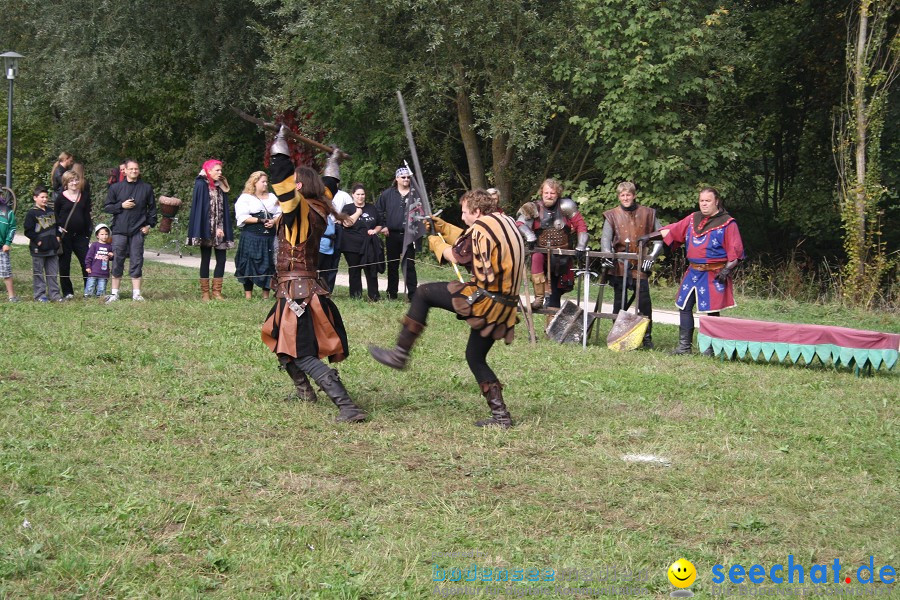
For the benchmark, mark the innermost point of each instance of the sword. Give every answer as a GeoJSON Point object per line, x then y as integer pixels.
{"type": "Point", "coordinates": [420, 183]}
{"type": "Point", "coordinates": [586, 275]}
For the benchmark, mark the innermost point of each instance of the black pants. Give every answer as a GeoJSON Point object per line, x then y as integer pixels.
{"type": "Point", "coordinates": [354, 273]}
{"type": "Point", "coordinates": [393, 250]}
{"type": "Point", "coordinates": [205, 256]}
{"type": "Point", "coordinates": [436, 295]}
{"type": "Point", "coordinates": [644, 305]}
{"type": "Point", "coordinates": [328, 268]}
{"type": "Point", "coordinates": [77, 245]}
{"type": "Point", "coordinates": [686, 314]}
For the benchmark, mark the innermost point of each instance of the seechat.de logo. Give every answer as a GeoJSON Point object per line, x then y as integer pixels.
{"type": "Point", "coordinates": [796, 572]}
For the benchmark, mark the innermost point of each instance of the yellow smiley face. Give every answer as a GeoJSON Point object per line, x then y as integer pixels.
{"type": "Point", "coordinates": [682, 573]}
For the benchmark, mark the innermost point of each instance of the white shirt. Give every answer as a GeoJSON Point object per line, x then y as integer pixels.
{"type": "Point", "coordinates": [340, 200]}
{"type": "Point", "coordinates": [248, 204]}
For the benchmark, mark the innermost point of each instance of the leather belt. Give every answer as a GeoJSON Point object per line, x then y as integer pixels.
{"type": "Point", "coordinates": [712, 266]}
{"type": "Point", "coordinates": [298, 275]}
{"type": "Point", "coordinates": [499, 298]}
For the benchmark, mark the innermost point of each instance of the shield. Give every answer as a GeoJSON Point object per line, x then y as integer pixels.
{"type": "Point", "coordinates": [567, 325]}
{"type": "Point", "coordinates": [628, 331]}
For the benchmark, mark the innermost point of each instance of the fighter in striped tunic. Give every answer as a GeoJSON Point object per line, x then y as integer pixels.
{"type": "Point", "coordinates": [305, 326]}
{"type": "Point", "coordinates": [493, 251]}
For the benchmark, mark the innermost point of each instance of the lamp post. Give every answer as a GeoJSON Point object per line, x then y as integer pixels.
{"type": "Point", "coordinates": [11, 69]}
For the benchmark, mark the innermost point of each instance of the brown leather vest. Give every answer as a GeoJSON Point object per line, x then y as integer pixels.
{"type": "Point", "coordinates": [295, 266]}
{"type": "Point", "coordinates": [629, 225]}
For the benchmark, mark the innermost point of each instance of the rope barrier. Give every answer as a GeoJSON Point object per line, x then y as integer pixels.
{"type": "Point", "coordinates": [320, 271]}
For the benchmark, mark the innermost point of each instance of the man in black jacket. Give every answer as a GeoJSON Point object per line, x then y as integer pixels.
{"type": "Point", "coordinates": [392, 207]}
{"type": "Point", "coordinates": [133, 206]}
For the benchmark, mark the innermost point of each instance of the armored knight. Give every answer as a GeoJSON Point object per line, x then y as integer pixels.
{"type": "Point", "coordinates": [550, 223]}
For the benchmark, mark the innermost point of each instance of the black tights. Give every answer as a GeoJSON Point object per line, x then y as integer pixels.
{"type": "Point", "coordinates": [686, 314]}
{"type": "Point", "coordinates": [436, 295]}
{"type": "Point", "coordinates": [205, 255]}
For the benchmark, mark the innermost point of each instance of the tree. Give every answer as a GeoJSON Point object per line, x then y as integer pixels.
{"type": "Point", "coordinates": [152, 80]}
{"type": "Point", "coordinates": [873, 63]}
{"type": "Point", "coordinates": [486, 61]}
{"type": "Point", "coordinates": [657, 78]}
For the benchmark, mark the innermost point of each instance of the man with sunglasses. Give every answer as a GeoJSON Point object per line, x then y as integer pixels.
{"type": "Point", "coordinates": [392, 207]}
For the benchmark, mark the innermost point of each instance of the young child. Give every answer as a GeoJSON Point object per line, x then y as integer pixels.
{"type": "Point", "coordinates": [42, 230]}
{"type": "Point", "coordinates": [97, 262]}
{"type": "Point", "coordinates": [7, 231]}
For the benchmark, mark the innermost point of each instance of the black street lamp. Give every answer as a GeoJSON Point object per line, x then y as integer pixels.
{"type": "Point", "coordinates": [11, 68]}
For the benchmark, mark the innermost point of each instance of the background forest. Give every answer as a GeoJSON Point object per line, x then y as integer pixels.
{"type": "Point", "coordinates": [756, 98]}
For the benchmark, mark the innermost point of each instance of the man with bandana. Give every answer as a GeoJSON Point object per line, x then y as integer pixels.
{"type": "Point", "coordinates": [622, 227]}
{"type": "Point", "coordinates": [393, 208]}
{"type": "Point", "coordinates": [305, 326]}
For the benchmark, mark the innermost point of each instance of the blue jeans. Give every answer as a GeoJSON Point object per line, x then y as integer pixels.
{"type": "Point", "coordinates": [95, 283]}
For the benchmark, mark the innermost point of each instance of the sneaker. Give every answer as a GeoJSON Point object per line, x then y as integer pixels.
{"type": "Point", "coordinates": [43, 299]}
{"type": "Point", "coordinates": [112, 298]}
{"type": "Point", "coordinates": [137, 298]}
{"type": "Point", "coordinates": [69, 297]}
{"type": "Point", "coordinates": [13, 298]}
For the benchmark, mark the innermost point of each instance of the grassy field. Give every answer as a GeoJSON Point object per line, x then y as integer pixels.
{"type": "Point", "coordinates": [148, 451]}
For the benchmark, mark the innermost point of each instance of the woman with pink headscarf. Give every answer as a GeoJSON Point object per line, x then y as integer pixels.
{"type": "Point", "coordinates": [209, 225]}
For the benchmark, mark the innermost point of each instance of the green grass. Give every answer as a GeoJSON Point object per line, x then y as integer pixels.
{"type": "Point", "coordinates": [151, 451]}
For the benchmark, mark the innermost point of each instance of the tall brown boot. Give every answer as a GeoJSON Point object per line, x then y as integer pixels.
{"type": "Point", "coordinates": [331, 384]}
{"type": "Point", "coordinates": [305, 391]}
{"type": "Point", "coordinates": [398, 357]}
{"type": "Point", "coordinates": [217, 288]}
{"type": "Point", "coordinates": [204, 289]}
{"type": "Point", "coordinates": [493, 393]}
{"type": "Point", "coordinates": [540, 289]}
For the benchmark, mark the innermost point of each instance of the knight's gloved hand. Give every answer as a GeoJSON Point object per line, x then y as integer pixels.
{"type": "Point", "coordinates": [439, 225]}
{"type": "Point", "coordinates": [606, 263]}
{"type": "Point", "coordinates": [333, 165]}
{"type": "Point", "coordinates": [280, 143]}
{"type": "Point", "coordinates": [437, 245]}
{"type": "Point", "coordinates": [530, 244]}
{"type": "Point", "coordinates": [580, 255]}
{"type": "Point", "coordinates": [647, 264]}
{"type": "Point", "coordinates": [645, 238]}
{"type": "Point", "coordinates": [722, 276]}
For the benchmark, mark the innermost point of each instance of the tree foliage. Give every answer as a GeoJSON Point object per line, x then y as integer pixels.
{"type": "Point", "coordinates": [474, 73]}
{"type": "Point", "coordinates": [657, 77]}
{"type": "Point", "coordinates": [873, 64]}
{"type": "Point", "coordinates": [738, 94]}
{"type": "Point", "coordinates": [107, 80]}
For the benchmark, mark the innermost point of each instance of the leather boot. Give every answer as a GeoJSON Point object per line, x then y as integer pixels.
{"type": "Point", "coordinates": [648, 342]}
{"type": "Point", "coordinates": [685, 339]}
{"type": "Point", "coordinates": [217, 288]}
{"type": "Point", "coordinates": [398, 357]}
{"type": "Point", "coordinates": [493, 393]}
{"type": "Point", "coordinates": [305, 391]}
{"type": "Point", "coordinates": [540, 289]}
{"type": "Point", "coordinates": [204, 289]}
{"type": "Point", "coordinates": [331, 384]}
